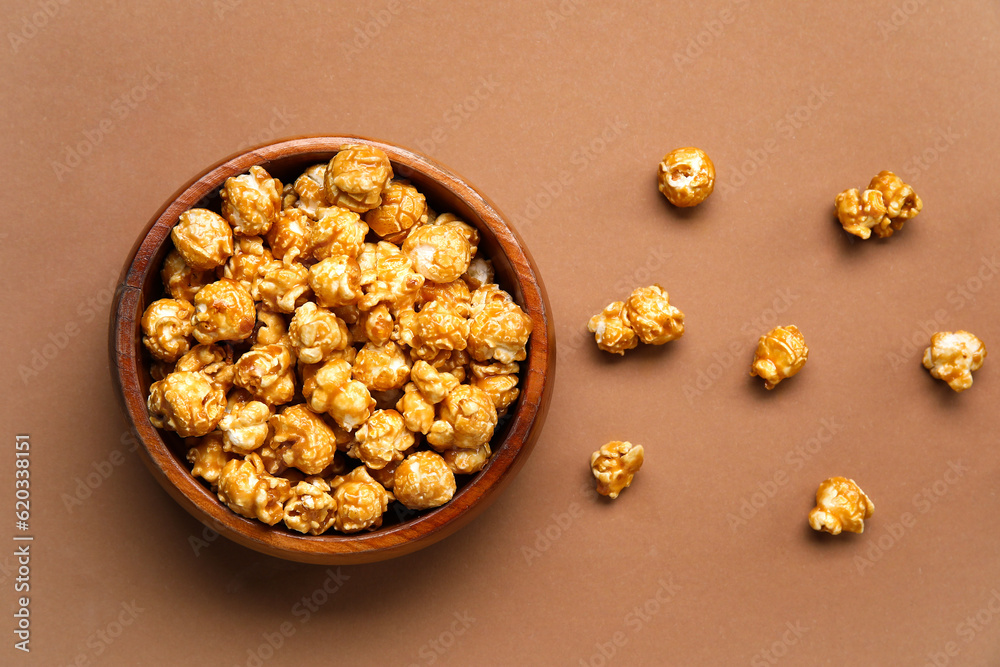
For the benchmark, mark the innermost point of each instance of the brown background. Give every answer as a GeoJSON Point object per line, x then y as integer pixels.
{"type": "Point", "coordinates": [560, 113]}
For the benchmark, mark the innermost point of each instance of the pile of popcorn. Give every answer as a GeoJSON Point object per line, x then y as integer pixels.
{"type": "Point", "coordinates": [331, 346]}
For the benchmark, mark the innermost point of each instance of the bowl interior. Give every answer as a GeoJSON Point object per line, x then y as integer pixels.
{"type": "Point", "coordinates": [403, 530]}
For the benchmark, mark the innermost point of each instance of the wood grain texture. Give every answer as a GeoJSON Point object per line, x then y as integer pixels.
{"type": "Point", "coordinates": [515, 271]}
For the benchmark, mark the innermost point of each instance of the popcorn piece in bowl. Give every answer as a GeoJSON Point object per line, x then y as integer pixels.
{"type": "Point", "coordinates": [250, 491]}
{"type": "Point", "coordinates": [167, 329]}
{"type": "Point", "coordinates": [302, 439]}
{"type": "Point", "coordinates": [614, 465]}
{"type": "Point", "coordinates": [382, 439]}
{"type": "Point", "coordinates": [247, 263]}
{"type": "Point", "coordinates": [781, 353]}
{"type": "Point", "coordinates": [686, 176]}
{"type": "Point", "coordinates": [433, 384]}
{"type": "Point", "coordinates": [336, 281]}
{"type": "Point", "coordinates": [466, 461]}
{"type": "Point", "coordinates": [356, 177]}
{"type": "Point", "coordinates": [223, 310]}
{"type": "Point", "coordinates": [290, 237]}
{"type": "Point", "coordinates": [214, 361]}
{"type": "Point", "coordinates": [417, 410]}
{"type": "Point", "coordinates": [361, 501]}
{"type": "Point", "coordinates": [423, 480]}
{"type": "Point", "coordinates": [382, 367]}
{"type": "Point", "coordinates": [207, 457]}
{"type": "Point", "coordinates": [310, 193]}
{"type": "Point", "coordinates": [338, 231]}
{"type": "Point", "coordinates": [840, 505]}
{"type": "Point", "coordinates": [187, 403]}
{"type": "Point", "coordinates": [466, 420]}
{"type": "Point", "coordinates": [251, 202]}
{"type": "Point", "coordinates": [329, 389]}
{"type": "Point", "coordinates": [311, 509]}
{"type": "Point", "coordinates": [244, 428]}
{"type": "Point", "coordinates": [612, 330]}
{"type": "Point", "coordinates": [284, 287]}
{"type": "Point", "coordinates": [953, 356]}
{"type": "Point", "coordinates": [440, 253]}
{"type": "Point", "coordinates": [180, 280]}
{"type": "Point", "coordinates": [267, 372]}
{"type": "Point", "coordinates": [402, 208]}
{"type": "Point", "coordinates": [204, 239]}
{"type": "Point", "coordinates": [439, 325]}
{"type": "Point", "coordinates": [316, 333]}
{"type": "Point", "coordinates": [499, 328]}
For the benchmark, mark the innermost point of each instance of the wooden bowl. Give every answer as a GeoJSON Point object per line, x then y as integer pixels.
{"type": "Point", "coordinates": [512, 443]}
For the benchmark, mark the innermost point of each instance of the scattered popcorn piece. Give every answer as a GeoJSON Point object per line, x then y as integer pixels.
{"type": "Point", "coordinates": [652, 317]}
{"type": "Point", "coordinates": [840, 505]}
{"type": "Point", "coordinates": [612, 330]}
{"type": "Point", "coordinates": [882, 208]}
{"type": "Point", "coordinates": [686, 176]}
{"type": "Point", "coordinates": [614, 465]}
{"type": "Point", "coordinates": [953, 356]}
{"type": "Point", "coordinates": [781, 353]}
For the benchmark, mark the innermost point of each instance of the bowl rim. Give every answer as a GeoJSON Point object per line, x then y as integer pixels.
{"type": "Point", "coordinates": [537, 370]}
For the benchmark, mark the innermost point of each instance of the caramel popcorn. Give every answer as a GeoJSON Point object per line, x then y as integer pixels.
{"type": "Point", "coordinates": [840, 505]}
{"type": "Point", "coordinates": [388, 277]}
{"type": "Point", "coordinates": [372, 351]}
{"type": "Point", "coordinates": [267, 372]}
{"type": "Point", "coordinates": [423, 480]}
{"type": "Point", "coordinates": [330, 389]}
{"type": "Point", "coordinates": [859, 213]}
{"type": "Point", "coordinates": [166, 328]}
{"type": "Point", "coordinates": [382, 439]}
{"type": "Point", "coordinates": [402, 207]}
{"type": "Point", "coordinates": [499, 328]}
{"type": "Point", "coordinates": [337, 232]}
{"type": "Point", "coordinates": [247, 263]}
{"type": "Point", "coordinates": [382, 367]}
{"type": "Point", "coordinates": [309, 191]}
{"type": "Point", "coordinates": [376, 325]}
{"type": "Point", "coordinates": [303, 440]}
{"type": "Point", "coordinates": [181, 281]}
{"type": "Point", "coordinates": [687, 176]}
{"type": "Point", "coordinates": [882, 208]}
{"type": "Point", "coordinates": [315, 333]}
{"type": "Point", "coordinates": [290, 237]}
{"type": "Point", "coordinates": [466, 461]}
{"type": "Point", "coordinates": [466, 419]}
{"type": "Point", "coordinates": [247, 489]}
{"type": "Point", "coordinates": [440, 253]}
{"type": "Point", "coordinates": [207, 457]}
{"type": "Point", "coordinates": [502, 390]}
{"type": "Point", "coordinates": [356, 177]}
{"type": "Point", "coordinates": [251, 202]}
{"type": "Point", "coordinates": [245, 427]}
{"type": "Point", "coordinates": [284, 287]}
{"type": "Point", "coordinates": [214, 361]}
{"type": "Point", "coordinates": [781, 353]}
{"type": "Point", "coordinates": [187, 403]}
{"type": "Point", "coordinates": [432, 383]}
{"type": "Point", "coordinates": [612, 330]}
{"type": "Point", "coordinates": [361, 501]}
{"type": "Point", "coordinates": [614, 465]}
{"type": "Point", "coordinates": [311, 509]}
{"type": "Point", "coordinates": [417, 410]}
{"type": "Point", "coordinates": [439, 325]}
{"type": "Point", "coordinates": [336, 281]}
{"type": "Point", "coordinates": [204, 239]}
{"type": "Point", "coordinates": [953, 356]}
{"type": "Point", "coordinates": [652, 317]}
{"type": "Point", "coordinates": [479, 273]}
{"type": "Point", "coordinates": [223, 310]}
